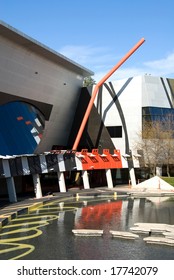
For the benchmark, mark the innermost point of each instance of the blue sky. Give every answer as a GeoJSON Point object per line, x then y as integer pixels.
{"type": "Point", "coordinates": [98, 33]}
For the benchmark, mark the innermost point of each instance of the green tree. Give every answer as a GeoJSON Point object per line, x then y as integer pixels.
{"type": "Point", "coordinates": [88, 81]}
{"type": "Point", "coordinates": [156, 140]}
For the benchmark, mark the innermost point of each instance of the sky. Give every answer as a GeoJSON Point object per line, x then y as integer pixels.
{"type": "Point", "coordinates": [97, 34]}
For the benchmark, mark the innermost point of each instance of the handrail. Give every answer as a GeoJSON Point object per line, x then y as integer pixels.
{"type": "Point", "coordinates": [96, 89]}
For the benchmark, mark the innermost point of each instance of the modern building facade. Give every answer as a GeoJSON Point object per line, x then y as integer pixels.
{"type": "Point", "coordinates": [126, 104]}
{"type": "Point", "coordinates": [43, 101]}
{"type": "Point", "coordinates": [121, 108]}
{"type": "Point", "coordinates": [39, 91]}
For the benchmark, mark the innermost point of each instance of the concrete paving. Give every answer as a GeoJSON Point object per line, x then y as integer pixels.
{"type": "Point", "coordinates": [87, 232]}
{"type": "Point", "coordinates": [161, 234]}
{"type": "Point", "coordinates": [159, 240]}
{"type": "Point", "coordinates": [9, 211]}
{"type": "Point", "coordinates": [152, 228]}
{"type": "Point", "coordinates": [123, 234]}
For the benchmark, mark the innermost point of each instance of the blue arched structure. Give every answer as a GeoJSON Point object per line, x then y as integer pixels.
{"type": "Point", "coordinates": [21, 128]}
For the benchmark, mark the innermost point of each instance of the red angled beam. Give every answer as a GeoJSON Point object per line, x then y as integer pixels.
{"type": "Point", "coordinates": [96, 89]}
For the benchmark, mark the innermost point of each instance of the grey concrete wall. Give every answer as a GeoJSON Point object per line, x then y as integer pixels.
{"type": "Point", "coordinates": [30, 75]}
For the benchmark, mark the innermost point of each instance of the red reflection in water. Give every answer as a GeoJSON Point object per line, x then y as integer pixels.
{"type": "Point", "coordinates": [93, 216]}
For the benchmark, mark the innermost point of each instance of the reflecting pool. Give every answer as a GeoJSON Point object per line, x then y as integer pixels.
{"type": "Point", "coordinates": [46, 233]}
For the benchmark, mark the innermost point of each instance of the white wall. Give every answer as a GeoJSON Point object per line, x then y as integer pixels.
{"type": "Point", "coordinates": [130, 101]}
{"type": "Point", "coordinates": [133, 94]}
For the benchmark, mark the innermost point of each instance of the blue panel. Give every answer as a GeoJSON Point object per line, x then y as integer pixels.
{"type": "Point", "coordinates": [21, 128]}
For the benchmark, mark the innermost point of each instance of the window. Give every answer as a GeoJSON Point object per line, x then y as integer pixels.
{"type": "Point", "coordinates": [115, 131]}
{"type": "Point", "coordinates": [156, 117]}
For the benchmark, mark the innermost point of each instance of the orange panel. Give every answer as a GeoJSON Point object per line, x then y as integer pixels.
{"type": "Point", "coordinates": [28, 122]}
{"type": "Point", "coordinates": [116, 159]}
{"type": "Point", "coordinates": [94, 160]}
{"type": "Point", "coordinates": [20, 118]}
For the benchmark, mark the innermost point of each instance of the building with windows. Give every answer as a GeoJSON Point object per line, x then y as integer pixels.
{"type": "Point", "coordinates": [121, 110]}
{"type": "Point", "coordinates": [43, 101]}
{"type": "Point", "coordinates": [125, 105]}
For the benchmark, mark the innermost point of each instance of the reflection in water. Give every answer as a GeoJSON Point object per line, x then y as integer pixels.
{"type": "Point", "coordinates": [58, 242]}
{"type": "Point", "coordinates": [122, 214]}
{"type": "Point", "coordinates": [95, 216]}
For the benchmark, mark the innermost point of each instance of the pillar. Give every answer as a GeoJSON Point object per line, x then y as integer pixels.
{"type": "Point", "coordinates": [109, 178]}
{"type": "Point", "coordinates": [61, 180]}
{"type": "Point", "coordinates": [159, 171]}
{"type": "Point", "coordinates": [132, 176]}
{"type": "Point", "coordinates": [85, 179]}
{"type": "Point", "coordinates": [11, 189]}
{"type": "Point", "coordinates": [37, 185]}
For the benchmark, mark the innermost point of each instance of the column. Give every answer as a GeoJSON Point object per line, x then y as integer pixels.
{"type": "Point", "coordinates": [61, 180]}
{"type": "Point", "coordinates": [132, 176]}
{"type": "Point", "coordinates": [109, 178]}
{"type": "Point", "coordinates": [85, 179]}
{"type": "Point", "coordinates": [37, 185]}
{"type": "Point", "coordinates": [11, 189]}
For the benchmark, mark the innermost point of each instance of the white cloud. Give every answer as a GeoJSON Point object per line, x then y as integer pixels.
{"type": "Point", "coordinates": [80, 54]}
{"type": "Point", "coordinates": [101, 59]}
{"type": "Point", "coordinates": [120, 74]}
{"type": "Point", "coordinates": [96, 59]}
{"type": "Point", "coordinates": [164, 66]}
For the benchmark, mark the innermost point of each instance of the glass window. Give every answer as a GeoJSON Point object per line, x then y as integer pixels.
{"type": "Point", "coordinates": [163, 116]}
{"type": "Point", "coordinates": [115, 131]}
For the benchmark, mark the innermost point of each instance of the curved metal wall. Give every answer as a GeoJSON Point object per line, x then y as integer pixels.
{"type": "Point", "coordinates": [21, 128]}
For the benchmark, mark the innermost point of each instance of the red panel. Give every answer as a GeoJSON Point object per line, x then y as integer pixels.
{"type": "Point", "coordinates": [94, 215]}
{"type": "Point", "coordinates": [94, 160]}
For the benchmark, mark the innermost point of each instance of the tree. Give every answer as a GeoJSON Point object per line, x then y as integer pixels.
{"type": "Point", "coordinates": [168, 141]}
{"type": "Point", "coordinates": [88, 81]}
{"type": "Point", "coordinates": [156, 140]}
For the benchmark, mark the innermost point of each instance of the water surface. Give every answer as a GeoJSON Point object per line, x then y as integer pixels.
{"type": "Point", "coordinates": [47, 232]}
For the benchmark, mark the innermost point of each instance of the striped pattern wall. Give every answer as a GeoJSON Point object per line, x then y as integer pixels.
{"type": "Point", "coordinates": [62, 161]}
{"type": "Point", "coordinates": [38, 164]}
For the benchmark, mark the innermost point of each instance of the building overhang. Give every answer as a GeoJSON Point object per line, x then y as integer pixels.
{"type": "Point", "coordinates": [33, 45]}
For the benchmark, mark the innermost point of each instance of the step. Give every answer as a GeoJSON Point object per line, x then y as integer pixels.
{"type": "Point", "coordinates": [87, 232]}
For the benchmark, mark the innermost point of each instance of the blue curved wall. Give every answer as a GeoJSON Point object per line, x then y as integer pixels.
{"type": "Point", "coordinates": [21, 128]}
